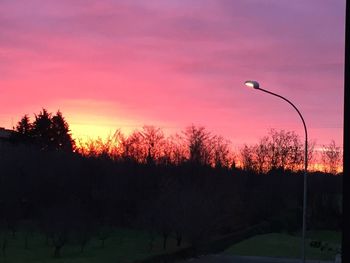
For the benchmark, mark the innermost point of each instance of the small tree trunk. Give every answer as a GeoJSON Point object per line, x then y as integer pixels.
{"type": "Point", "coordinates": [4, 246]}
{"type": "Point", "coordinates": [26, 243]}
{"type": "Point", "coordinates": [178, 240]}
{"type": "Point", "coordinates": [57, 253]}
{"type": "Point", "coordinates": [165, 238]}
{"type": "Point", "coordinates": [151, 242]}
{"type": "Point", "coordinates": [47, 239]}
{"type": "Point", "coordinates": [83, 245]}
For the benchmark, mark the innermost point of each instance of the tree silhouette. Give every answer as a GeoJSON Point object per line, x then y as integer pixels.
{"type": "Point", "coordinates": [198, 141]}
{"type": "Point", "coordinates": [42, 130]}
{"type": "Point", "coordinates": [47, 131]}
{"type": "Point", "coordinates": [280, 150]}
{"type": "Point", "coordinates": [24, 126]}
{"type": "Point", "coordinates": [152, 139]}
{"type": "Point", "coordinates": [221, 152]}
{"type": "Point", "coordinates": [331, 157]}
{"type": "Point", "coordinates": [285, 149]}
{"type": "Point", "coordinates": [133, 150]}
{"type": "Point", "coordinates": [261, 151]}
{"type": "Point", "coordinates": [24, 130]}
{"type": "Point", "coordinates": [61, 137]}
{"type": "Point", "coordinates": [247, 158]}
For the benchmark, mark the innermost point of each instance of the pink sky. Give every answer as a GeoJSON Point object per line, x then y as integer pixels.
{"type": "Point", "coordinates": [109, 64]}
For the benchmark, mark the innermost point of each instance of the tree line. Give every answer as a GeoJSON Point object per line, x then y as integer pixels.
{"type": "Point", "coordinates": [281, 150]}
{"type": "Point", "coordinates": [186, 186]}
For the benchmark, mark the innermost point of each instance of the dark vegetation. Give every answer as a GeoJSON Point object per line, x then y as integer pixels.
{"type": "Point", "coordinates": [187, 187]}
{"type": "Point", "coordinates": [321, 246]}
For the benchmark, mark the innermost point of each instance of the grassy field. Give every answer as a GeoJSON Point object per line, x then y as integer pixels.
{"type": "Point", "coordinates": [122, 246]}
{"type": "Point", "coordinates": [284, 245]}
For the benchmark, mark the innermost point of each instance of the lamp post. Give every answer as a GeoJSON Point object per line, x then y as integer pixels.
{"type": "Point", "coordinates": [254, 84]}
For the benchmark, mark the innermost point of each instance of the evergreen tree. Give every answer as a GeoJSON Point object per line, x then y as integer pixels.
{"type": "Point", "coordinates": [62, 139]}
{"type": "Point", "coordinates": [24, 126]}
{"type": "Point", "coordinates": [47, 131]}
{"type": "Point", "coordinates": [42, 130]}
{"type": "Point", "coordinates": [23, 130]}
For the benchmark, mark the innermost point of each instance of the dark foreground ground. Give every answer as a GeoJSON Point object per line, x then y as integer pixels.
{"type": "Point", "coordinates": [246, 259]}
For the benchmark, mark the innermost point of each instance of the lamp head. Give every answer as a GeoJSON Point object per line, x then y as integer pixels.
{"type": "Point", "coordinates": [252, 83]}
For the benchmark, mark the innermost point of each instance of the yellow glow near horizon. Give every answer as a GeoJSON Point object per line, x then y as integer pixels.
{"type": "Point", "coordinates": [90, 131]}
{"type": "Point", "coordinates": [94, 129]}
{"type": "Point", "coordinates": [92, 119]}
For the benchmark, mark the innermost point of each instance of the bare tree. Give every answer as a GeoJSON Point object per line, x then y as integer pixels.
{"type": "Point", "coordinates": [133, 149]}
{"type": "Point", "coordinates": [279, 150]}
{"type": "Point", "coordinates": [221, 152]}
{"type": "Point", "coordinates": [261, 152]}
{"type": "Point", "coordinates": [311, 151]}
{"type": "Point", "coordinates": [176, 149]}
{"type": "Point", "coordinates": [285, 150]}
{"type": "Point", "coordinates": [199, 145]}
{"type": "Point", "coordinates": [116, 151]}
{"type": "Point", "coordinates": [58, 226]}
{"type": "Point", "coordinates": [247, 158]}
{"type": "Point", "coordinates": [331, 157]}
{"type": "Point", "coordinates": [152, 140]}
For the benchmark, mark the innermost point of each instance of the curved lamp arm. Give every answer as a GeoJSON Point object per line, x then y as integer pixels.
{"type": "Point", "coordinates": [254, 84]}
{"type": "Point", "coordinates": [301, 117]}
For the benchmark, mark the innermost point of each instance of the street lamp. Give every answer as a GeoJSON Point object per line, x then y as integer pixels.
{"type": "Point", "coordinates": [254, 84]}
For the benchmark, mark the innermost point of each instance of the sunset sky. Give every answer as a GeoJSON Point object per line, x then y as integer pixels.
{"type": "Point", "coordinates": [109, 64]}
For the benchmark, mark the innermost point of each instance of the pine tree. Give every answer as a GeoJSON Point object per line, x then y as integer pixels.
{"type": "Point", "coordinates": [24, 126]}
{"type": "Point", "coordinates": [47, 132]}
{"type": "Point", "coordinates": [42, 130]}
{"type": "Point", "coordinates": [23, 131]}
{"type": "Point", "coordinates": [62, 139]}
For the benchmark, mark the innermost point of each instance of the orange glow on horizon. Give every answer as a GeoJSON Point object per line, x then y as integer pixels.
{"type": "Point", "coordinates": [92, 119]}
{"type": "Point", "coordinates": [84, 128]}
